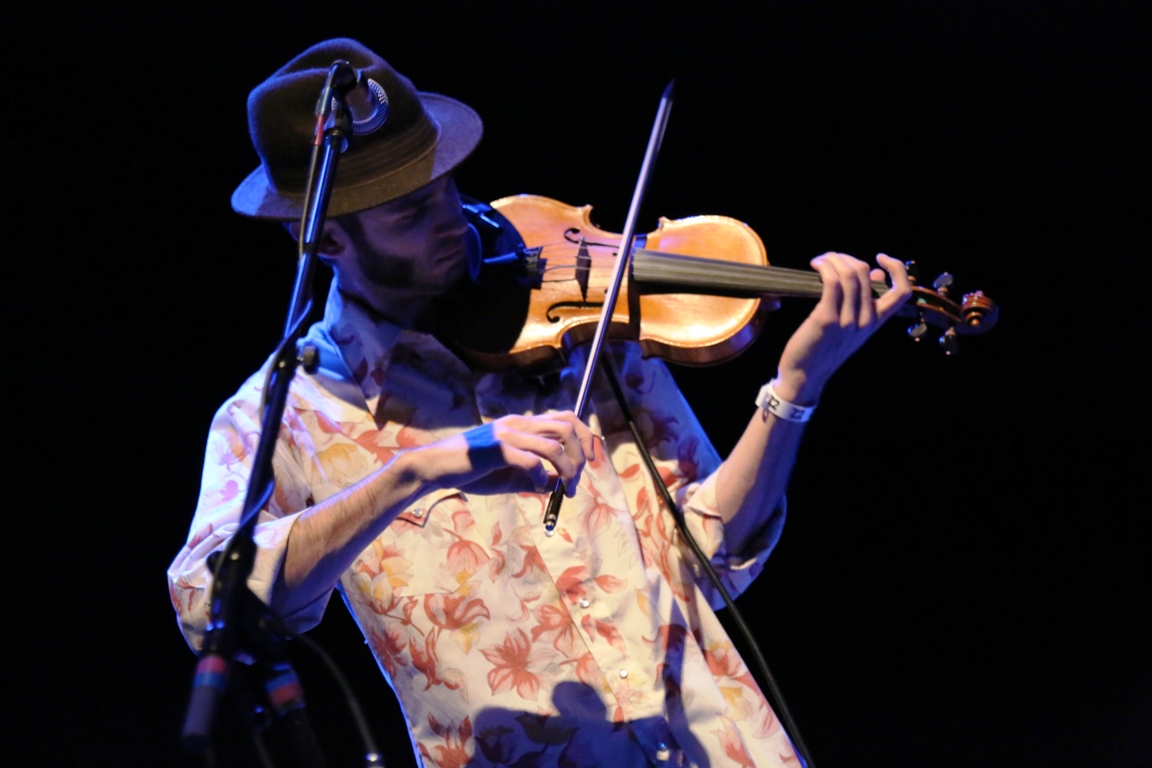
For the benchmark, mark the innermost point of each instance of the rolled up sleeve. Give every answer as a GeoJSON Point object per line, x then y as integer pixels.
{"type": "Point", "coordinates": [224, 483]}
{"type": "Point", "coordinates": [736, 570]}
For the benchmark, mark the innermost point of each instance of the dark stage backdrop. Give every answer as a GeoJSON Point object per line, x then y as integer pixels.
{"type": "Point", "coordinates": [962, 580]}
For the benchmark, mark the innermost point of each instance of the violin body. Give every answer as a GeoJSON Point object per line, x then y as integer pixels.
{"type": "Point", "coordinates": [531, 313]}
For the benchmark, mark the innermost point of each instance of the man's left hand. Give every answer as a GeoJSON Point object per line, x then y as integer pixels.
{"type": "Point", "coordinates": [843, 320]}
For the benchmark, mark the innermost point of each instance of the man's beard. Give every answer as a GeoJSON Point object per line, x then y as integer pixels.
{"type": "Point", "coordinates": [384, 269]}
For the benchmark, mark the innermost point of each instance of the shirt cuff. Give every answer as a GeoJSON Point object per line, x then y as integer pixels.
{"type": "Point", "coordinates": [192, 578]}
{"type": "Point", "coordinates": [736, 569]}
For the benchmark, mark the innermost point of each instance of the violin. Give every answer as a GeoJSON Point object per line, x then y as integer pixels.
{"type": "Point", "coordinates": [694, 294]}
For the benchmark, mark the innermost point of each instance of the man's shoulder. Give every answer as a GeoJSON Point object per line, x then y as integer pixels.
{"type": "Point", "coordinates": [329, 388]}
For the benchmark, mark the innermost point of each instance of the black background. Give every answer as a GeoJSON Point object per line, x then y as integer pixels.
{"type": "Point", "coordinates": [963, 580]}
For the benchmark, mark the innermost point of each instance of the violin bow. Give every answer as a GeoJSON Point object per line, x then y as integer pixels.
{"type": "Point", "coordinates": [552, 513]}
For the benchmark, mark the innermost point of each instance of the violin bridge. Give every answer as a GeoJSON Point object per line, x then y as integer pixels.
{"type": "Point", "coordinates": [533, 265]}
{"type": "Point", "coordinates": [583, 268]}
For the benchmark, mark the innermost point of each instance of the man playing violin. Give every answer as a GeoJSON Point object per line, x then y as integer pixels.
{"type": "Point", "coordinates": [416, 486]}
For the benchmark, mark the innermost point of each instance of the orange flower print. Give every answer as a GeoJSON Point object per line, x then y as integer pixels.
{"type": "Point", "coordinates": [555, 622]}
{"type": "Point", "coordinates": [609, 632]}
{"type": "Point", "coordinates": [593, 509]}
{"type": "Point", "coordinates": [588, 672]}
{"type": "Point", "coordinates": [570, 585]}
{"type": "Point", "coordinates": [515, 666]}
{"type": "Point", "coordinates": [388, 645]}
{"type": "Point", "coordinates": [427, 662]}
{"type": "Point", "coordinates": [327, 425]}
{"type": "Point", "coordinates": [724, 662]}
{"type": "Point", "coordinates": [532, 561]}
{"type": "Point", "coordinates": [627, 696]}
{"type": "Point", "coordinates": [379, 570]}
{"type": "Point", "coordinates": [464, 559]}
{"type": "Point", "coordinates": [343, 463]}
{"type": "Point", "coordinates": [454, 611]}
{"type": "Point", "coordinates": [450, 754]}
{"type": "Point", "coordinates": [369, 440]}
{"type": "Point", "coordinates": [206, 531]}
{"type": "Point", "coordinates": [733, 746]}
{"type": "Point", "coordinates": [188, 588]}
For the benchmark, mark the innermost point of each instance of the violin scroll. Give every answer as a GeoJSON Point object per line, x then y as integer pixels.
{"type": "Point", "coordinates": [975, 313]}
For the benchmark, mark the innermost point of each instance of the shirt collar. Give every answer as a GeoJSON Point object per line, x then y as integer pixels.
{"type": "Point", "coordinates": [364, 339]}
{"type": "Point", "coordinates": [358, 348]}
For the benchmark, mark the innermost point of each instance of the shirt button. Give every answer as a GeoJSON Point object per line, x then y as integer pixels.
{"type": "Point", "coordinates": [623, 673]}
{"type": "Point", "coordinates": [417, 513]}
{"type": "Point", "coordinates": [585, 602]}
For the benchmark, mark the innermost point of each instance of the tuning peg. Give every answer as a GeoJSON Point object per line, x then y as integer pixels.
{"type": "Point", "coordinates": [913, 272]}
{"type": "Point", "coordinates": [950, 342]}
{"type": "Point", "coordinates": [942, 282]}
{"type": "Point", "coordinates": [919, 329]}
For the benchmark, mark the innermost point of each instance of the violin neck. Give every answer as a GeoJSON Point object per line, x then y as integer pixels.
{"type": "Point", "coordinates": [656, 272]}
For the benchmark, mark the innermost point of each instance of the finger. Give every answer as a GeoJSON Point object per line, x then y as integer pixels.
{"type": "Point", "coordinates": [579, 436]}
{"type": "Point", "coordinates": [558, 430]}
{"type": "Point", "coordinates": [563, 426]}
{"type": "Point", "coordinates": [530, 468]}
{"type": "Point", "coordinates": [567, 434]}
{"type": "Point", "coordinates": [901, 290]}
{"type": "Point", "coordinates": [849, 287]}
{"type": "Point", "coordinates": [573, 434]}
{"type": "Point", "coordinates": [867, 308]}
{"type": "Point", "coordinates": [546, 448]}
{"type": "Point", "coordinates": [579, 444]}
{"type": "Point", "coordinates": [832, 295]}
{"type": "Point", "coordinates": [584, 435]}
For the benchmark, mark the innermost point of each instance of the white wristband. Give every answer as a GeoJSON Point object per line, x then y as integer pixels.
{"type": "Point", "coordinates": [782, 409]}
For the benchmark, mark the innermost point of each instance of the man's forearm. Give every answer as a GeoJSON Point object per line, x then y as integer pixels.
{"type": "Point", "coordinates": [753, 478]}
{"type": "Point", "coordinates": [329, 536]}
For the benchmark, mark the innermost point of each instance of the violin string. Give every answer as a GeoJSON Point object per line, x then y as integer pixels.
{"type": "Point", "coordinates": [757, 271]}
{"type": "Point", "coordinates": [680, 270]}
{"type": "Point", "coordinates": [656, 267]}
{"type": "Point", "coordinates": [802, 283]}
{"type": "Point", "coordinates": [699, 272]}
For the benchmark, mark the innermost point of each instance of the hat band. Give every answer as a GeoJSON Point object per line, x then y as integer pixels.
{"type": "Point", "coordinates": [382, 157]}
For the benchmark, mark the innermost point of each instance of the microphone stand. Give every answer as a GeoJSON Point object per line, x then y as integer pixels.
{"type": "Point", "coordinates": [239, 622]}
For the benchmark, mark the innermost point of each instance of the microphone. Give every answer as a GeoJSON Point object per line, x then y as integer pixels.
{"type": "Point", "coordinates": [368, 104]}
{"type": "Point", "coordinates": [363, 97]}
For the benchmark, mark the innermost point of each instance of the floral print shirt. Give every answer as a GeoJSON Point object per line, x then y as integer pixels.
{"type": "Point", "coordinates": [597, 646]}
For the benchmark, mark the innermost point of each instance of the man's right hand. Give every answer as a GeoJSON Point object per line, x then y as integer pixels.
{"type": "Point", "coordinates": [510, 455]}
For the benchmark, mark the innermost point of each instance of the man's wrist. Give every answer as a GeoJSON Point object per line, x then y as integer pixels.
{"type": "Point", "coordinates": [408, 474]}
{"type": "Point", "coordinates": [796, 387]}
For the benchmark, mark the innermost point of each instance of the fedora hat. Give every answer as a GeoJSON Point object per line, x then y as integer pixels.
{"type": "Point", "coordinates": [425, 136]}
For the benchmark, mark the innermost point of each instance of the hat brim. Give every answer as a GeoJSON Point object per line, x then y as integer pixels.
{"type": "Point", "coordinates": [460, 129]}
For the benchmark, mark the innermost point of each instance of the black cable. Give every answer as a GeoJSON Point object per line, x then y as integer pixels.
{"type": "Point", "coordinates": [776, 696]}
{"type": "Point", "coordinates": [372, 756]}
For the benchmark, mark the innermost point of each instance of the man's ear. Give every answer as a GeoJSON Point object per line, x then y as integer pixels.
{"type": "Point", "coordinates": [332, 239]}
